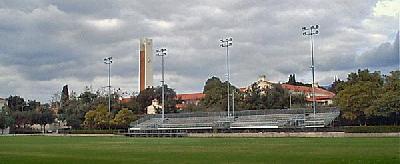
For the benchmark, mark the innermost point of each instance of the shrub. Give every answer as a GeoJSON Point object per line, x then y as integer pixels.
{"type": "Point", "coordinates": [371, 129]}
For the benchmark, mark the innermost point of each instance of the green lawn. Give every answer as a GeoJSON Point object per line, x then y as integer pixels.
{"type": "Point", "coordinates": [56, 150]}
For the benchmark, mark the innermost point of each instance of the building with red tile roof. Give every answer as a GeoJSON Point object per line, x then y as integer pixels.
{"type": "Point", "coordinates": [322, 96]}
{"type": "Point", "coordinates": [125, 100]}
{"type": "Point", "coordinates": [189, 98]}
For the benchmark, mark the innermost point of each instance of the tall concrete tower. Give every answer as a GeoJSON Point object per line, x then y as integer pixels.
{"type": "Point", "coordinates": [145, 64]}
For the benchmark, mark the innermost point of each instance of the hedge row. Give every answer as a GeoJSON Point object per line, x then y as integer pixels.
{"type": "Point", "coordinates": [371, 129]}
{"type": "Point", "coordinates": [24, 131]}
{"type": "Point", "coordinates": [89, 131]}
{"type": "Point", "coordinates": [347, 129]}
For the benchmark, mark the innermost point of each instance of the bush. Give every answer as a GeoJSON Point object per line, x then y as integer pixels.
{"type": "Point", "coordinates": [371, 129]}
{"type": "Point", "coordinates": [88, 131]}
{"type": "Point", "coordinates": [93, 131]}
{"type": "Point", "coordinates": [24, 131]}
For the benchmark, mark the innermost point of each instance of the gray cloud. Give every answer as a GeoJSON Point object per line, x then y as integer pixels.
{"type": "Point", "coordinates": [384, 55]}
{"type": "Point", "coordinates": [46, 44]}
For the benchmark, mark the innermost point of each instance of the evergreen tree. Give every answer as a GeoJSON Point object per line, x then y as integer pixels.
{"type": "Point", "coordinates": [64, 97]}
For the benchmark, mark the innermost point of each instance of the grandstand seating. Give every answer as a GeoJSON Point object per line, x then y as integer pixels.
{"type": "Point", "coordinates": [254, 119]}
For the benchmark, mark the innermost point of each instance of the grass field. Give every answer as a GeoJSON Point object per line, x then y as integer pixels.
{"type": "Point", "coordinates": [39, 149]}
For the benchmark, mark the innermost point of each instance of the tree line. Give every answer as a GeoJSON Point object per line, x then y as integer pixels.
{"type": "Point", "coordinates": [252, 98]}
{"type": "Point", "coordinates": [87, 110]}
{"type": "Point", "coordinates": [90, 109]}
{"type": "Point", "coordinates": [365, 98]}
{"type": "Point", "coordinates": [19, 113]}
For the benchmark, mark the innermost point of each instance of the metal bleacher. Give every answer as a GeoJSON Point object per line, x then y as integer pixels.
{"type": "Point", "coordinates": [247, 119]}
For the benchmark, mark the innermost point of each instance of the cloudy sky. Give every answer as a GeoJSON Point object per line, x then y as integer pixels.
{"type": "Point", "coordinates": [47, 44]}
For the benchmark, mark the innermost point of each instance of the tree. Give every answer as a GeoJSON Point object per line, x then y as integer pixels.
{"type": "Point", "coordinates": [298, 100]}
{"type": "Point", "coordinates": [336, 86]}
{"type": "Point", "coordinates": [63, 100]}
{"type": "Point", "coordinates": [359, 95]}
{"type": "Point", "coordinates": [276, 97]}
{"type": "Point", "coordinates": [16, 103]}
{"type": "Point", "coordinates": [123, 118]}
{"type": "Point", "coordinates": [145, 98]}
{"type": "Point", "coordinates": [170, 101]}
{"type": "Point", "coordinates": [88, 97]}
{"type": "Point", "coordinates": [22, 118]}
{"type": "Point", "coordinates": [132, 105]}
{"type": "Point", "coordinates": [212, 84]}
{"type": "Point", "coordinates": [74, 111]}
{"type": "Point", "coordinates": [365, 75]}
{"type": "Point", "coordinates": [74, 121]}
{"type": "Point", "coordinates": [216, 96]}
{"type": "Point", "coordinates": [355, 100]}
{"type": "Point", "coordinates": [388, 103]}
{"type": "Point", "coordinates": [98, 118]}
{"type": "Point", "coordinates": [18, 118]}
{"type": "Point", "coordinates": [64, 96]}
{"type": "Point", "coordinates": [55, 99]}
{"type": "Point", "coordinates": [90, 119]}
{"type": "Point", "coordinates": [103, 117]}
{"type": "Point", "coordinates": [46, 116]}
{"type": "Point", "coordinates": [32, 105]}
{"type": "Point", "coordinates": [253, 98]}
{"type": "Point", "coordinates": [292, 81]}
{"type": "Point", "coordinates": [5, 119]}
{"type": "Point", "coordinates": [192, 108]}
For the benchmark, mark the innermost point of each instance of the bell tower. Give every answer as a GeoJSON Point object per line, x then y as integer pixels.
{"type": "Point", "coordinates": [145, 64]}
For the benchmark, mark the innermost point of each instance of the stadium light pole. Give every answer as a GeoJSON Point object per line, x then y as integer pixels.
{"type": "Point", "coordinates": [397, 36]}
{"type": "Point", "coordinates": [226, 43]}
{"type": "Point", "coordinates": [108, 61]}
{"type": "Point", "coordinates": [312, 30]}
{"type": "Point", "coordinates": [162, 52]}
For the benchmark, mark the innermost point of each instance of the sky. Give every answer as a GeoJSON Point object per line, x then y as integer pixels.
{"type": "Point", "coordinates": [46, 44]}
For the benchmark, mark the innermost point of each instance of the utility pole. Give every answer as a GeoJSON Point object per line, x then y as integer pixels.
{"type": "Point", "coordinates": [290, 100]}
{"type": "Point", "coordinates": [226, 43]}
{"type": "Point", "coordinates": [233, 103]}
{"type": "Point", "coordinates": [162, 52]}
{"type": "Point", "coordinates": [312, 30]}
